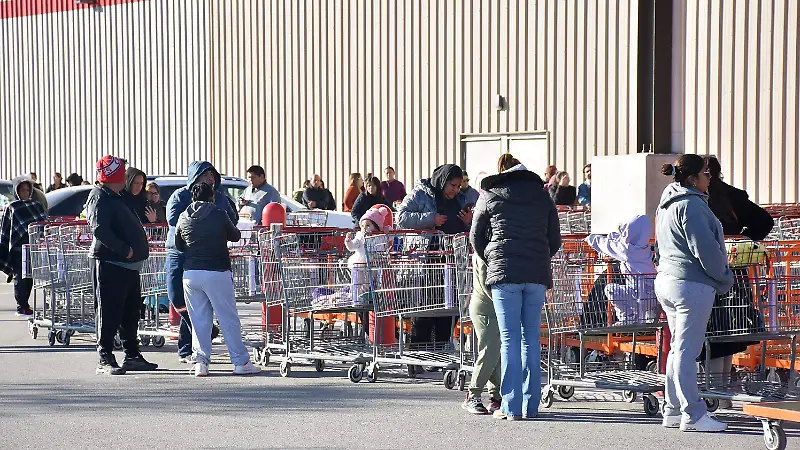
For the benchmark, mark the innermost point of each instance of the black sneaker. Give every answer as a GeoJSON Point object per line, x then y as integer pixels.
{"type": "Point", "coordinates": [25, 312]}
{"type": "Point", "coordinates": [109, 366]}
{"type": "Point", "coordinates": [138, 364]}
{"type": "Point", "coordinates": [495, 404]}
{"type": "Point", "coordinates": [473, 405]}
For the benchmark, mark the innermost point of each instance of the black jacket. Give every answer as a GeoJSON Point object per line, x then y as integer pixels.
{"type": "Point", "coordinates": [364, 202]}
{"type": "Point", "coordinates": [738, 215]}
{"type": "Point", "coordinates": [322, 198]}
{"type": "Point", "coordinates": [515, 229]}
{"type": "Point", "coordinates": [202, 235]}
{"type": "Point", "coordinates": [115, 228]}
{"type": "Point", "coordinates": [137, 203]}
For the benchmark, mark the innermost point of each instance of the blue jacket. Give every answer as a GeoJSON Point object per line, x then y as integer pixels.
{"type": "Point", "coordinates": [690, 240]}
{"type": "Point", "coordinates": [585, 194]}
{"type": "Point", "coordinates": [182, 198]}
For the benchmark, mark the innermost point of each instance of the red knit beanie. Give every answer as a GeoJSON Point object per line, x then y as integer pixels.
{"type": "Point", "coordinates": [110, 169]}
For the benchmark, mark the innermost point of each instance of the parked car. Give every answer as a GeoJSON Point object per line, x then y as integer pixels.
{"type": "Point", "coordinates": [70, 201]}
{"type": "Point", "coordinates": [6, 193]}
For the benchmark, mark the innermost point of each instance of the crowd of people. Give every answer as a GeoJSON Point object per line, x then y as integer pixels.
{"type": "Point", "coordinates": [513, 225]}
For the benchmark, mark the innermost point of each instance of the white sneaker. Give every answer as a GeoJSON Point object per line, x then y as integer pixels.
{"type": "Point", "coordinates": [671, 421]}
{"type": "Point", "coordinates": [247, 369]}
{"type": "Point", "coordinates": [201, 370]}
{"type": "Point", "coordinates": [187, 359]}
{"type": "Point", "coordinates": [706, 424]}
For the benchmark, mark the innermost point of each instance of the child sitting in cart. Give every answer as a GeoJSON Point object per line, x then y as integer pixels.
{"type": "Point", "coordinates": [635, 301]}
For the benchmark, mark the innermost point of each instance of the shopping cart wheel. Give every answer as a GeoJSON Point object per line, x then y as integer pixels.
{"type": "Point", "coordinates": [652, 366]}
{"type": "Point", "coordinates": [356, 373]}
{"type": "Point", "coordinates": [629, 396]}
{"type": "Point", "coordinates": [319, 365]}
{"type": "Point", "coordinates": [117, 343]}
{"type": "Point", "coordinates": [712, 404]}
{"type": "Point", "coordinates": [60, 336]}
{"type": "Point", "coordinates": [51, 337]}
{"type": "Point", "coordinates": [547, 398]}
{"type": "Point", "coordinates": [144, 340]}
{"type": "Point", "coordinates": [372, 376]}
{"type": "Point", "coordinates": [775, 437]}
{"type": "Point", "coordinates": [265, 354]}
{"type": "Point", "coordinates": [66, 338]}
{"type": "Point", "coordinates": [651, 406]}
{"type": "Point", "coordinates": [158, 341]}
{"type": "Point", "coordinates": [566, 392]}
{"type": "Point", "coordinates": [286, 369]}
{"type": "Point", "coordinates": [412, 371]}
{"type": "Point", "coordinates": [450, 378]}
{"type": "Point", "coordinates": [462, 380]}
{"type": "Point", "coordinates": [33, 330]}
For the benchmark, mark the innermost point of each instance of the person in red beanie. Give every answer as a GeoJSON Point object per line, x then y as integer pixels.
{"type": "Point", "coordinates": [119, 249]}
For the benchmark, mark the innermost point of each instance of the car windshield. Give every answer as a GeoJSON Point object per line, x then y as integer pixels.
{"type": "Point", "coordinates": [6, 194]}
{"type": "Point", "coordinates": [232, 190]}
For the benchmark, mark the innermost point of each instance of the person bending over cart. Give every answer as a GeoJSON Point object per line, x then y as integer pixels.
{"type": "Point", "coordinates": [692, 269]}
{"type": "Point", "coordinates": [16, 218]}
{"type": "Point", "coordinates": [633, 301]}
{"type": "Point", "coordinates": [202, 234]}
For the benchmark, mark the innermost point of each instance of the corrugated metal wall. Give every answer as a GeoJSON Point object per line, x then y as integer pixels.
{"type": "Point", "coordinates": [337, 86]}
{"type": "Point", "coordinates": [130, 80]}
{"type": "Point", "coordinates": [740, 69]}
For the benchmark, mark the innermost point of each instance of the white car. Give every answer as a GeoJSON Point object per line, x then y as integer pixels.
{"type": "Point", "coordinates": [234, 186]}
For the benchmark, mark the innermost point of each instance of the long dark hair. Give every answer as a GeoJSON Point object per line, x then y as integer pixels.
{"type": "Point", "coordinates": [375, 182]}
{"type": "Point", "coordinates": [202, 192]}
{"type": "Point", "coordinates": [718, 201]}
{"type": "Point", "coordinates": [685, 167]}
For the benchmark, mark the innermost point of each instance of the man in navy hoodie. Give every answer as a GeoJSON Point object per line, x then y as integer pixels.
{"type": "Point", "coordinates": [199, 171]}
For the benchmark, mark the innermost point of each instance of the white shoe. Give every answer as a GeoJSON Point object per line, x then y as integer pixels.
{"type": "Point", "coordinates": [201, 370]}
{"type": "Point", "coordinates": [187, 359]}
{"type": "Point", "coordinates": [247, 369]}
{"type": "Point", "coordinates": [706, 424]}
{"type": "Point", "coordinates": [671, 421]}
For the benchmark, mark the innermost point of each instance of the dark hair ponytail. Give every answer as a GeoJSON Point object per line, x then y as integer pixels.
{"type": "Point", "coordinates": [202, 192]}
{"type": "Point", "coordinates": [685, 167]}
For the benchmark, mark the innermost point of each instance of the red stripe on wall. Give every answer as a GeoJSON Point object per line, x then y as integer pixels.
{"type": "Point", "coordinates": [20, 8]}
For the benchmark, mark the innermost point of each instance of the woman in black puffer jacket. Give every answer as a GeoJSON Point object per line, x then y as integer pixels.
{"type": "Point", "coordinates": [515, 230]}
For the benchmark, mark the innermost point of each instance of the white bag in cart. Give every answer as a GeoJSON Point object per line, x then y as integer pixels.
{"type": "Point", "coordinates": [252, 275]}
{"type": "Point", "coordinates": [246, 227]}
{"type": "Point", "coordinates": [449, 289]}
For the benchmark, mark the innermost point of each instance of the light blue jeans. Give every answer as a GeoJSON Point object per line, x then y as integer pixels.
{"type": "Point", "coordinates": [519, 314]}
{"type": "Point", "coordinates": [687, 305]}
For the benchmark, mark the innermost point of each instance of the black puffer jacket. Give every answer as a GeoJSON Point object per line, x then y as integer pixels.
{"type": "Point", "coordinates": [115, 228]}
{"type": "Point", "coordinates": [515, 229]}
{"type": "Point", "coordinates": [203, 234]}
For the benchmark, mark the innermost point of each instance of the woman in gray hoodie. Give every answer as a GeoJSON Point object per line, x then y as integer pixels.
{"type": "Point", "coordinates": [692, 269]}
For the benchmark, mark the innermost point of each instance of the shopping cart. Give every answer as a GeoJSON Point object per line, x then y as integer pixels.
{"type": "Point", "coordinates": [316, 280]}
{"type": "Point", "coordinates": [154, 325]}
{"type": "Point", "coordinates": [574, 220]}
{"type": "Point", "coordinates": [308, 218]}
{"type": "Point", "coordinates": [763, 306]}
{"type": "Point", "coordinates": [578, 305]}
{"type": "Point", "coordinates": [410, 277]}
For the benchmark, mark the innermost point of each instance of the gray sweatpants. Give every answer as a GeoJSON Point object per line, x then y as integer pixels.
{"type": "Point", "coordinates": [687, 305]}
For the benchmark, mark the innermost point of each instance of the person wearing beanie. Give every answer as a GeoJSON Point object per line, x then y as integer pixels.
{"type": "Point", "coordinates": [199, 172]}
{"type": "Point", "coordinates": [20, 213]}
{"type": "Point", "coordinates": [119, 249]}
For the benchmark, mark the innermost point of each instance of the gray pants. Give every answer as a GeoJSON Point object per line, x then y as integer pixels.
{"type": "Point", "coordinates": [687, 305]}
{"type": "Point", "coordinates": [487, 364]}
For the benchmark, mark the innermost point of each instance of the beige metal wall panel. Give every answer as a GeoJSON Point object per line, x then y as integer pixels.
{"type": "Point", "coordinates": [356, 85]}
{"type": "Point", "coordinates": [128, 79]}
{"type": "Point", "coordinates": [738, 65]}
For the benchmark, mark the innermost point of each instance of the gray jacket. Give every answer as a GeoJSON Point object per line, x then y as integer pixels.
{"type": "Point", "coordinates": [202, 234]}
{"type": "Point", "coordinates": [691, 244]}
{"type": "Point", "coordinates": [515, 229]}
{"type": "Point", "coordinates": [257, 199]}
{"type": "Point", "coordinates": [418, 209]}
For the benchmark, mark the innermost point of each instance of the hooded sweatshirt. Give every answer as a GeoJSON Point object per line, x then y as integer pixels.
{"type": "Point", "coordinates": [14, 225]}
{"type": "Point", "coordinates": [203, 233]}
{"type": "Point", "coordinates": [182, 198]}
{"type": "Point", "coordinates": [630, 246]}
{"type": "Point", "coordinates": [419, 208]}
{"type": "Point", "coordinates": [690, 239]}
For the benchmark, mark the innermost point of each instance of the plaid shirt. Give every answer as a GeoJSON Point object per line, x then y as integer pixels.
{"type": "Point", "coordinates": [14, 228]}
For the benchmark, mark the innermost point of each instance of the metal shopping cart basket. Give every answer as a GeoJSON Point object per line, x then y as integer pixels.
{"type": "Point", "coordinates": [410, 276]}
{"type": "Point", "coordinates": [577, 306]}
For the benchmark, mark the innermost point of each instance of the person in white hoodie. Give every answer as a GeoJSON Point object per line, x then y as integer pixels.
{"type": "Point", "coordinates": [635, 300]}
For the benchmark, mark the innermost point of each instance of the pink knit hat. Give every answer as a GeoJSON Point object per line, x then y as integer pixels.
{"type": "Point", "coordinates": [377, 215]}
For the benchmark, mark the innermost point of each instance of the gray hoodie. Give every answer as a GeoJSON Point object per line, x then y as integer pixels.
{"type": "Point", "coordinates": [690, 239]}
{"type": "Point", "coordinates": [202, 234]}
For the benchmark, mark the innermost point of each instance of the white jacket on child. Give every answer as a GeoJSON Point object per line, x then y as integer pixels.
{"type": "Point", "coordinates": [356, 245]}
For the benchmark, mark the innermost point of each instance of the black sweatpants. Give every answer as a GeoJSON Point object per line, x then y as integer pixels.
{"type": "Point", "coordinates": [22, 286]}
{"type": "Point", "coordinates": [118, 297]}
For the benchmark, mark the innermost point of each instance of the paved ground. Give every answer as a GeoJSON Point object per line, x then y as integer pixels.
{"type": "Point", "coordinates": [50, 397]}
